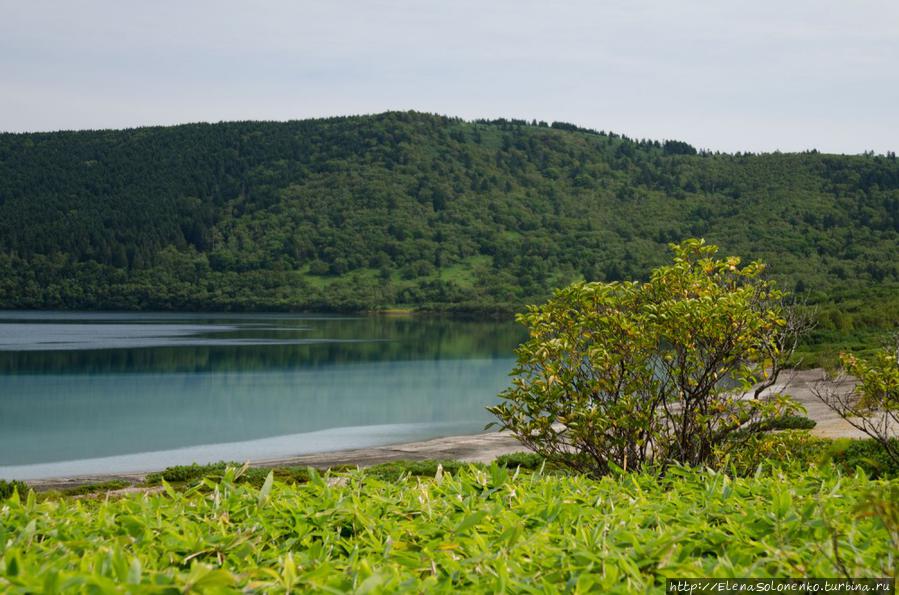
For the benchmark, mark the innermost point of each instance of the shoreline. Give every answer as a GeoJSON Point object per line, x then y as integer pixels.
{"type": "Point", "coordinates": [470, 448]}
{"type": "Point", "coordinates": [481, 448]}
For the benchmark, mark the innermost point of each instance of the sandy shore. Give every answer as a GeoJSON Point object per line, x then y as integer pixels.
{"type": "Point", "coordinates": [485, 447]}
{"type": "Point", "coordinates": [799, 384]}
{"type": "Point", "coordinates": [477, 448]}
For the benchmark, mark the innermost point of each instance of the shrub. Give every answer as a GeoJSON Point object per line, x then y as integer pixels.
{"type": "Point", "coordinates": [792, 422]}
{"type": "Point", "coordinates": [622, 375]}
{"type": "Point", "coordinates": [180, 474]}
{"type": "Point", "coordinates": [397, 469]}
{"type": "Point", "coordinates": [868, 455]}
{"type": "Point", "coordinates": [783, 422]}
{"type": "Point", "coordinates": [872, 403]}
{"type": "Point", "coordinates": [256, 475]}
{"type": "Point", "coordinates": [93, 488]}
{"type": "Point", "coordinates": [524, 460]}
{"type": "Point", "coordinates": [319, 267]}
{"type": "Point", "coordinates": [8, 487]}
{"type": "Point", "coordinates": [800, 448]}
{"type": "Point", "coordinates": [783, 449]}
{"type": "Point", "coordinates": [186, 473]}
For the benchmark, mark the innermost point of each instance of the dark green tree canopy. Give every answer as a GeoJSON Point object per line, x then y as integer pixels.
{"type": "Point", "coordinates": [411, 209]}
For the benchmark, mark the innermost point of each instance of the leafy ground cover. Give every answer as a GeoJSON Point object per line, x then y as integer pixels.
{"type": "Point", "coordinates": [486, 529]}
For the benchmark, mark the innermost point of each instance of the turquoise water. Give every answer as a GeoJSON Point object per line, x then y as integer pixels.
{"type": "Point", "coordinates": [85, 393]}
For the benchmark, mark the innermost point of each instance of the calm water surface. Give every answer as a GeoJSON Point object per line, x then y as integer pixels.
{"type": "Point", "coordinates": [95, 393]}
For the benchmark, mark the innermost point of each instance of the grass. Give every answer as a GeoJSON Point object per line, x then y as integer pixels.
{"type": "Point", "coordinates": [475, 529]}
{"type": "Point", "coordinates": [464, 273]}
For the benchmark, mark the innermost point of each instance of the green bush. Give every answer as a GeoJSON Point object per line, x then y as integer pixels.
{"type": "Point", "coordinates": [872, 404]}
{"type": "Point", "coordinates": [632, 375]}
{"type": "Point", "coordinates": [187, 473]}
{"type": "Point", "coordinates": [524, 460]}
{"type": "Point", "coordinates": [801, 449]}
{"type": "Point", "coordinates": [868, 455]}
{"type": "Point", "coordinates": [791, 422]}
{"type": "Point", "coordinates": [8, 487]}
{"type": "Point", "coordinates": [786, 448]}
{"type": "Point", "coordinates": [397, 469]}
{"type": "Point", "coordinates": [290, 475]}
{"type": "Point", "coordinates": [93, 488]}
{"type": "Point", "coordinates": [783, 422]}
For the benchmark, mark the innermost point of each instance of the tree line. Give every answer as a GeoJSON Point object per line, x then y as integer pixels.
{"type": "Point", "coordinates": [407, 209]}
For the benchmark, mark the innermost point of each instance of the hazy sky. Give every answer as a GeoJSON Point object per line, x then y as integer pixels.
{"type": "Point", "coordinates": [753, 75]}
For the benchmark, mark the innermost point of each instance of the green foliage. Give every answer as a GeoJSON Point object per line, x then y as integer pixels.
{"type": "Point", "coordinates": [849, 320]}
{"type": "Point", "coordinates": [524, 460]}
{"type": "Point", "coordinates": [799, 449]}
{"type": "Point", "coordinates": [882, 503]}
{"type": "Point", "coordinates": [621, 375]}
{"type": "Point", "coordinates": [790, 448]}
{"type": "Point", "coordinates": [415, 210]}
{"type": "Point", "coordinates": [187, 473]}
{"type": "Point", "coordinates": [777, 423]}
{"type": "Point", "coordinates": [477, 530]}
{"type": "Point", "coordinates": [878, 380]}
{"type": "Point", "coordinates": [395, 470]}
{"type": "Point", "coordinates": [872, 403]}
{"type": "Point", "coordinates": [868, 455]}
{"type": "Point", "coordinates": [8, 487]}
{"type": "Point", "coordinates": [790, 422]}
{"type": "Point", "coordinates": [194, 473]}
{"type": "Point", "coordinates": [94, 488]}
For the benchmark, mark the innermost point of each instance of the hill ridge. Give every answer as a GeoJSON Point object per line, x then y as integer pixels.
{"type": "Point", "coordinates": [414, 210]}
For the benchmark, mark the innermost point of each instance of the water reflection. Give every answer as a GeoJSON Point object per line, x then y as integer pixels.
{"type": "Point", "coordinates": [241, 342]}
{"type": "Point", "coordinates": [180, 382]}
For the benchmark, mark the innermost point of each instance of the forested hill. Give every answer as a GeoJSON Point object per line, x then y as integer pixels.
{"type": "Point", "coordinates": [410, 209]}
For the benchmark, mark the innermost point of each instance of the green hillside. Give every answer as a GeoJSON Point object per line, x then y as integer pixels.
{"type": "Point", "coordinates": [416, 210]}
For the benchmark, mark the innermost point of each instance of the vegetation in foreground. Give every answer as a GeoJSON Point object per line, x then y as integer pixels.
{"type": "Point", "coordinates": [478, 529]}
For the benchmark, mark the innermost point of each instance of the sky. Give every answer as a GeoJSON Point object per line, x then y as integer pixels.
{"type": "Point", "coordinates": [757, 75]}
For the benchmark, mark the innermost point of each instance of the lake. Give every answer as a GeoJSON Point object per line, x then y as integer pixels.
{"type": "Point", "coordinates": [85, 393]}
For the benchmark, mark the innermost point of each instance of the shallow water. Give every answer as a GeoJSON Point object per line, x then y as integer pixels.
{"type": "Point", "coordinates": [84, 393]}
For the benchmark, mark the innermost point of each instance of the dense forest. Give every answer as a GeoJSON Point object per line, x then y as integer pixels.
{"type": "Point", "coordinates": [421, 211]}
